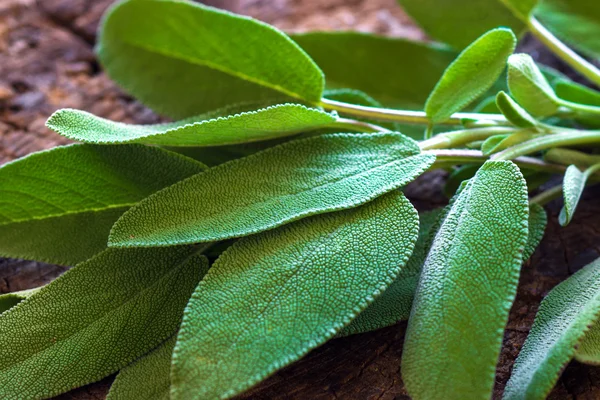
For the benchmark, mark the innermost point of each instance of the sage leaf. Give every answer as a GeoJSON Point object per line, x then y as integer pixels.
{"type": "Point", "coordinates": [497, 143]}
{"type": "Point", "coordinates": [575, 21]}
{"type": "Point", "coordinates": [395, 303]}
{"type": "Point", "coordinates": [460, 22]}
{"type": "Point", "coordinates": [295, 287]}
{"type": "Point", "coordinates": [472, 73]}
{"type": "Point", "coordinates": [267, 123]}
{"type": "Point", "coordinates": [95, 319]}
{"type": "Point", "coordinates": [276, 186]}
{"type": "Point", "coordinates": [9, 300]}
{"type": "Point", "coordinates": [146, 378]}
{"type": "Point", "coordinates": [529, 87]}
{"type": "Point", "coordinates": [514, 112]}
{"type": "Point", "coordinates": [58, 205]}
{"type": "Point", "coordinates": [574, 182]}
{"type": "Point", "coordinates": [378, 65]}
{"type": "Point", "coordinates": [563, 318]}
{"type": "Point", "coordinates": [466, 288]}
{"type": "Point", "coordinates": [577, 93]}
{"type": "Point", "coordinates": [537, 226]}
{"type": "Point", "coordinates": [181, 58]}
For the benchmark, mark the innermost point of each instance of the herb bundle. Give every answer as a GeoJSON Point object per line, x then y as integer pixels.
{"type": "Point", "coordinates": [269, 217]}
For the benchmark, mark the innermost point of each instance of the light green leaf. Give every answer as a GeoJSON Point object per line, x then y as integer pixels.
{"type": "Point", "coordinates": [563, 318]}
{"type": "Point", "coordinates": [537, 226]}
{"type": "Point", "coordinates": [529, 87]}
{"type": "Point", "coordinates": [182, 58]}
{"type": "Point", "coordinates": [497, 143]}
{"type": "Point", "coordinates": [147, 378]}
{"type": "Point", "coordinates": [395, 303]}
{"type": "Point", "coordinates": [95, 319]}
{"type": "Point", "coordinates": [514, 112]}
{"type": "Point", "coordinates": [59, 205]}
{"type": "Point", "coordinates": [574, 182]}
{"type": "Point", "coordinates": [471, 74]}
{"type": "Point", "coordinates": [575, 21]}
{"type": "Point", "coordinates": [378, 65]}
{"type": "Point", "coordinates": [9, 300]}
{"type": "Point", "coordinates": [577, 93]}
{"type": "Point", "coordinates": [267, 123]}
{"type": "Point", "coordinates": [292, 289]}
{"type": "Point", "coordinates": [276, 186]}
{"type": "Point", "coordinates": [459, 22]}
{"type": "Point", "coordinates": [467, 286]}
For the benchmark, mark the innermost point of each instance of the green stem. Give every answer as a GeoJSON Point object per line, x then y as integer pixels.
{"type": "Point", "coordinates": [568, 157]}
{"type": "Point", "coordinates": [563, 51]}
{"type": "Point", "coordinates": [356, 126]}
{"type": "Point", "coordinates": [462, 137]}
{"type": "Point", "coordinates": [565, 138]}
{"type": "Point", "coordinates": [547, 195]}
{"type": "Point", "coordinates": [445, 157]}
{"type": "Point", "coordinates": [580, 107]}
{"type": "Point", "coordinates": [405, 116]}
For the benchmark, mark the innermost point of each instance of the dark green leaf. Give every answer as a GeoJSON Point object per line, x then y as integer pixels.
{"type": "Point", "coordinates": [272, 297]}
{"type": "Point", "coordinates": [59, 205]}
{"type": "Point", "coordinates": [182, 58]}
{"type": "Point", "coordinates": [467, 286]}
{"type": "Point", "coordinates": [95, 319]}
{"type": "Point", "coordinates": [276, 186]}
{"type": "Point", "coordinates": [9, 300]}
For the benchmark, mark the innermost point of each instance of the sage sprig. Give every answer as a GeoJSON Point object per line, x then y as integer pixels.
{"type": "Point", "coordinates": [286, 168]}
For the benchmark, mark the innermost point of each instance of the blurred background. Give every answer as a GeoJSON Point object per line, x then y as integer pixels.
{"type": "Point", "coordinates": [47, 62]}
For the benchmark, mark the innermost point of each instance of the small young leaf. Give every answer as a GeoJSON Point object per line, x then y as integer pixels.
{"type": "Point", "coordinates": [395, 303]}
{"type": "Point", "coordinates": [267, 123]}
{"type": "Point", "coordinates": [529, 87]}
{"type": "Point", "coordinates": [467, 285]}
{"type": "Point", "coordinates": [182, 58]}
{"type": "Point", "coordinates": [498, 143]}
{"type": "Point", "coordinates": [146, 378]}
{"type": "Point", "coordinates": [563, 318]}
{"type": "Point", "coordinates": [290, 290]}
{"type": "Point", "coordinates": [537, 226]}
{"type": "Point", "coordinates": [514, 112]}
{"type": "Point", "coordinates": [276, 186]}
{"type": "Point", "coordinates": [378, 65]}
{"type": "Point", "coordinates": [471, 74]}
{"type": "Point", "coordinates": [459, 22]}
{"type": "Point", "coordinates": [59, 205]}
{"type": "Point", "coordinates": [95, 319]}
{"type": "Point", "coordinates": [573, 185]}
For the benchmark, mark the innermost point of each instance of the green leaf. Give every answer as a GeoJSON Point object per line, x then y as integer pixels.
{"type": "Point", "coordinates": [563, 318]}
{"type": "Point", "coordinates": [59, 205]}
{"type": "Point", "coordinates": [95, 319]}
{"type": "Point", "coordinates": [467, 286]}
{"type": "Point", "coordinates": [378, 65]}
{"type": "Point", "coordinates": [9, 300]}
{"type": "Point", "coordinates": [459, 22]}
{"type": "Point", "coordinates": [514, 112]}
{"type": "Point", "coordinates": [537, 226]}
{"type": "Point", "coordinates": [395, 303]}
{"type": "Point", "coordinates": [577, 93]}
{"type": "Point", "coordinates": [575, 21]}
{"type": "Point", "coordinates": [292, 289]}
{"type": "Point", "coordinates": [529, 87]}
{"type": "Point", "coordinates": [574, 182]}
{"type": "Point", "coordinates": [267, 123]}
{"type": "Point", "coordinates": [181, 58]}
{"type": "Point", "coordinates": [497, 143]}
{"type": "Point", "coordinates": [276, 186]}
{"type": "Point", "coordinates": [522, 9]}
{"type": "Point", "coordinates": [146, 378]}
{"type": "Point", "coordinates": [471, 74]}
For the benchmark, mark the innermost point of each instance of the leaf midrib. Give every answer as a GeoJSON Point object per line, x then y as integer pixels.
{"type": "Point", "coordinates": [68, 213]}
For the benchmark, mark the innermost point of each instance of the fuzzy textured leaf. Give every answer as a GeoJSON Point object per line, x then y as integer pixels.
{"type": "Point", "coordinates": [471, 74]}
{"type": "Point", "coordinates": [395, 303]}
{"type": "Point", "coordinates": [59, 205]}
{"type": "Point", "coordinates": [573, 184]}
{"type": "Point", "coordinates": [267, 123]}
{"type": "Point", "coordinates": [514, 112]}
{"type": "Point", "coordinates": [529, 87]}
{"type": "Point", "coordinates": [95, 319]}
{"type": "Point", "coordinates": [147, 378]}
{"type": "Point", "coordinates": [293, 288]}
{"type": "Point", "coordinates": [276, 186]}
{"type": "Point", "coordinates": [537, 226]}
{"type": "Point", "coordinates": [9, 300]}
{"type": "Point", "coordinates": [181, 58]}
{"type": "Point", "coordinates": [562, 320]}
{"type": "Point", "coordinates": [497, 143]}
{"type": "Point", "coordinates": [467, 286]}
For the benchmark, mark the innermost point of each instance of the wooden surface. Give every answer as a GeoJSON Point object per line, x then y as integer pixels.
{"type": "Point", "coordinates": [47, 62]}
